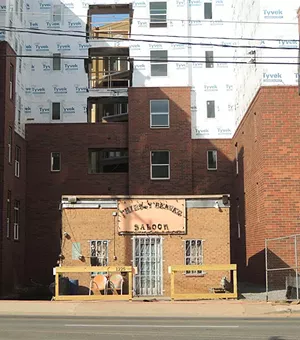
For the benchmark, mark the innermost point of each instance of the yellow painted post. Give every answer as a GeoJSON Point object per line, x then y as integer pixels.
{"type": "Point", "coordinates": [172, 284]}
{"type": "Point", "coordinates": [56, 285]}
{"type": "Point", "coordinates": [130, 285]}
{"type": "Point", "coordinates": [235, 282]}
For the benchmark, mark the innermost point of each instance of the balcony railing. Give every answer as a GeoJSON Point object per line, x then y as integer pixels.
{"type": "Point", "coordinates": [109, 79]}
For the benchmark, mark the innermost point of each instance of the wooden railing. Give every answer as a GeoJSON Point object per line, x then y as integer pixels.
{"type": "Point", "coordinates": [204, 268]}
{"type": "Point", "coordinates": [92, 269]}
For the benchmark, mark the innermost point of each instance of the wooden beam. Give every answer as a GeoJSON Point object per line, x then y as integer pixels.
{"type": "Point", "coordinates": [204, 296]}
{"type": "Point", "coordinates": [90, 269]}
{"type": "Point", "coordinates": [93, 297]}
{"type": "Point", "coordinates": [214, 267]}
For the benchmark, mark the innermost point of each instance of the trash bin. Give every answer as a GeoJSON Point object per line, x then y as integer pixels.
{"type": "Point", "coordinates": [73, 287]}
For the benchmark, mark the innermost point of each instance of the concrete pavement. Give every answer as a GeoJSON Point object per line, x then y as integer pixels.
{"type": "Point", "coordinates": [213, 308]}
{"type": "Point", "coordinates": [78, 328]}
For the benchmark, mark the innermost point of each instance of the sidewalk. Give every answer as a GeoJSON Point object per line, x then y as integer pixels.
{"type": "Point", "coordinates": [221, 308]}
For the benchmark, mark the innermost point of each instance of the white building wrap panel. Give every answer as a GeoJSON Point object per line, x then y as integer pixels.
{"type": "Point", "coordinates": [230, 83]}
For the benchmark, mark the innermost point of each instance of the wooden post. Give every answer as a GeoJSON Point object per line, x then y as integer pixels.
{"type": "Point", "coordinates": [235, 282]}
{"type": "Point", "coordinates": [130, 285]}
{"type": "Point", "coordinates": [56, 285]}
{"type": "Point", "coordinates": [172, 284]}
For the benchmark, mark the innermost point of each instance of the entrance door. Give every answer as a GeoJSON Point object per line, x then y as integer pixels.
{"type": "Point", "coordinates": [147, 257]}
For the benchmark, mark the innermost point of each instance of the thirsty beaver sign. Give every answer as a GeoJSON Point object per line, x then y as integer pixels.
{"type": "Point", "coordinates": [151, 216]}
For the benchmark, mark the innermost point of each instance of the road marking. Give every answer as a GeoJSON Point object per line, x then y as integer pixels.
{"type": "Point", "coordinates": [149, 326]}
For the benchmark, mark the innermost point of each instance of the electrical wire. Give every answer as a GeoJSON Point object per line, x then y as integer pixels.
{"type": "Point", "coordinates": [166, 41]}
{"type": "Point", "coordinates": [162, 61]}
{"type": "Point", "coordinates": [31, 30]}
{"type": "Point", "coordinates": [39, 14]}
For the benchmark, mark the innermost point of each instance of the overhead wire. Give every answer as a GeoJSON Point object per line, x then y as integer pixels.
{"type": "Point", "coordinates": [36, 31]}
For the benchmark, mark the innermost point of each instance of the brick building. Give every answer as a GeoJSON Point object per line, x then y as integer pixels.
{"type": "Point", "coordinates": [12, 179]}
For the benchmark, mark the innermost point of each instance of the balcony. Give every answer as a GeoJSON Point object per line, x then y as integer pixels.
{"type": "Point", "coordinates": [107, 109]}
{"type": "Point", "coordinates": [109, 68]}
{"type": "Point", "coordinates": [109, 21]}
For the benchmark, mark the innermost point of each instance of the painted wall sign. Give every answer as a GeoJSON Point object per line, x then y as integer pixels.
{"type": "Point", "coordinates": [151, 216]}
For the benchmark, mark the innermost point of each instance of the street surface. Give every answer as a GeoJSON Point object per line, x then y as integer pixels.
{"type": "Point", "coordinates": [81, 328]}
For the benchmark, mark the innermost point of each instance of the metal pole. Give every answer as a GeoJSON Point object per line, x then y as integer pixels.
{"type": "Point", "coordinates": [266, 265]}
{"type": "Point", "coordinates": [296, 263]}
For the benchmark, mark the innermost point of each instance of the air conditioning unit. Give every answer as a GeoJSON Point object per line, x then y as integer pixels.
{"type": "Point", "coordinates": [72, 199]}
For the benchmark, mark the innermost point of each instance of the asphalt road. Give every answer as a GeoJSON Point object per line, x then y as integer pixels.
{"type": "Point", "coordinates": [79, 328]}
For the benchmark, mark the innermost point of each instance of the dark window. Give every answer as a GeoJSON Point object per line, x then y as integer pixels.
{"type": "Point", "coordinates": [159, 63]}
{"type": "Point", "coordinates": [160, 165]}
{"type": "Point", "coordinates": [55, 111]}
{"type": "Point", "coordinates": [108, 160]}
{"type": "Point", "coordinates": [16, 220]}
{"type": "Point", "coordinates": [207, 10]}
{"type": "Point", "coordinates": [11, 81]}
{"type": "Point", "coordinates": [210, 108]}
{"type": "Point", "coordinates": [17, 161]}
{"type": "Point", "coordinates": [56, 61]}
{"type": "Point", "coordinates": [8, 213]}
{"type": "Point", "coordinates": [159, 112]}
{"type": "Point", "coordinates": [212, 160]}
{"type": "Point", "coordinates": [209, 59]}
{"type": "Point", "coordinates": [9, 144]}
{"type": "Point", "coordinates": [158, 14]}
{"type": "Point", "coordinates": [55, 161]}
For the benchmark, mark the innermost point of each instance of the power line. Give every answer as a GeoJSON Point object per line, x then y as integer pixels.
{"type": "Point", "coordinates": [30, 30]}
{"type": "Point", "coordinates": [161, 41]}
{"type": "Point", "coordinates": [151, 60]}
{"type": "Point", "coordinates": [39, 14]}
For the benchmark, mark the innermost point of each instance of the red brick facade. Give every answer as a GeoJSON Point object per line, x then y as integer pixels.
{"type": "Point", "coordinates": [268, 183]}
{"type": "Point", "coordinates": [11, 250]}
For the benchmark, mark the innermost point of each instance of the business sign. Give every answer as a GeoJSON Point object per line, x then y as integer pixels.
{"type": "Point", "coordinates": [152, 216]}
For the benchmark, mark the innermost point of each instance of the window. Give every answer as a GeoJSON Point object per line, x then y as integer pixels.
{"type": "Point", "coordinates": [56, 13]}
{"type": "Point", "coordinates": [212, 160]}
{"type": "Point", "coordinates": [207, 10]}
{"type": "Point", "coordinates": [210, 109]}
{"type": "Point", "coordinates": [21, 10]}
{"type": "Point", "coordinates": [55, 111]}
{"type": "Point", "coordinates": [55, 161]}
{"type": "Point", "coordinates": [8, 213]}
{"type": "Point", "coordinates": [193, 255]}
{"type": "Point", "coordinates": [16, 220]}
{"type": "Point", "coordinates": [159, 113]}
{"type": "Point", "coordinates": [159, 65]}
{"type": "Point", "coordinates": [158, 14]}
{"type": "Point", "coordinates": [20, 59]}
{"type": "Point", "coordinates": [11, 82]}
{"type": "Point", "coordinates": [160, 165]}
{"type": "Point", "coordinates": [108, 160]}
{"type": "Point", "coordinates": [10, 133]}
{"type": "Point", "coordinates": [99, 253]}
{"type": "Point", "coordinates": [209, 59]}
{"type": "Point", "coordinates": [17, 161]}
{"type": "Point", "coordinates": [56, 62]}
{"type": "Point", "coordinates": [236, 159]}
{"type": "Point", "coordinates": [19, 110]}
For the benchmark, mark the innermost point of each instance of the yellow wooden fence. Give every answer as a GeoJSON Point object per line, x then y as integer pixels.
{"type": "Point", "coordinates": [90, 269]}
{"type": "Point", "coordinates": [193, 296]}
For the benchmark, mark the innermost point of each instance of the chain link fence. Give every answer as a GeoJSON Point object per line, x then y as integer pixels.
{"type": "Point", "coordinates": [282, 256]}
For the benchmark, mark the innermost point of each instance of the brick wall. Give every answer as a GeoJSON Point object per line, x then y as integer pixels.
{"type": "Point", "coordinates": [208, 224]}
{"type": "Point", "coordinates": [11, 251]}
{"type": "Point", "coordinates": [176, 139]}
{"type": "Point", "coordinates": [268, 183]}
{"type": "Point", "coordinates": [45, 188]}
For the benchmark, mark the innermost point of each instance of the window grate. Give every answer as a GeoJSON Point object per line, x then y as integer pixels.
{"type": "Point", "coordinates": [194, 255]}
{"type": "Point", "coordinates": [99, 252]}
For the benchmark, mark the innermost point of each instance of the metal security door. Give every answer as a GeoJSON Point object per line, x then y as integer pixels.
{"type": "Point", "coordinates": [147, 257]}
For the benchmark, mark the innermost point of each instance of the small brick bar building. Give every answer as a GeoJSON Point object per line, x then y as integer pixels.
{"type": "Point", "coordinates": [150, 233]}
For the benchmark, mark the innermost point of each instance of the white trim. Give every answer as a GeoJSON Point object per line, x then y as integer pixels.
{"type": "Point", "coordinates": [207, 159]}
{"type": "Point", "coordinates": [17, 161]}
{"type": "Point", "coordinates": [169, 166]}
{"type": "Point", "coordinates": [159, 114]}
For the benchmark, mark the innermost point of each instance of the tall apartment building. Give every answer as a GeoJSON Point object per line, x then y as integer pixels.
{"type": "Point", "coordinates": [142, 97]}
